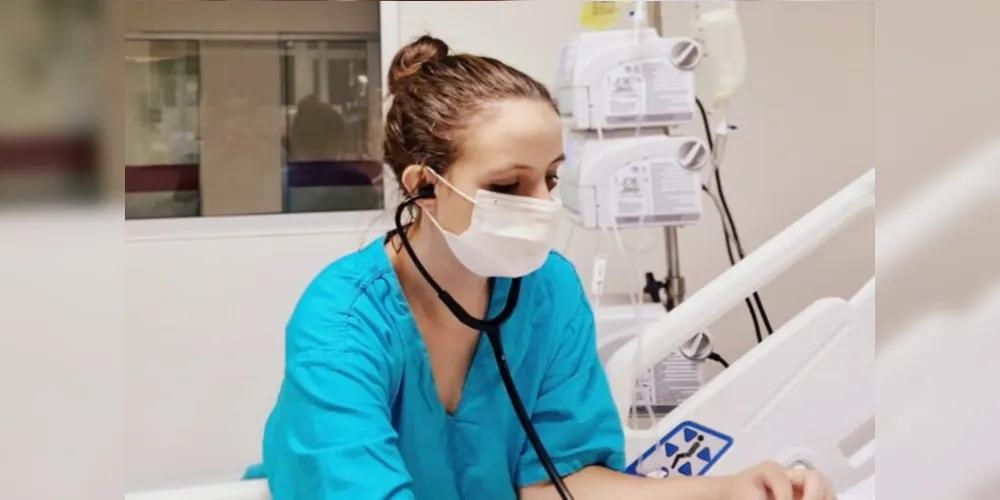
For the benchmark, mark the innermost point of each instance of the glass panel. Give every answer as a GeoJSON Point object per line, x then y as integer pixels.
{"type": "Point", "coordinates": [330, 161]}
{"type": "Point", "coordinates": [230, 127]}
{"type": "Point", "coordinates": [162, 144]}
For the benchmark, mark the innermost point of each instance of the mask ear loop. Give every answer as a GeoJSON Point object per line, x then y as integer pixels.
{"type": "Point", "coordinates": [453, 189]}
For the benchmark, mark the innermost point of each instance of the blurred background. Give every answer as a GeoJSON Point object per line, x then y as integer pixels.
{"type": "Point", "coordinates": [50, 119]}
{"type": "Point", "coordinates": [234, 195]}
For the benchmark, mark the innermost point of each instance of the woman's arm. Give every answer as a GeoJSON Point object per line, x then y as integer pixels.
{"type": "Point", "coordinates": [767, 481]}
{"type": "Point", "coordinates": [572, 410]}
{"type": "Point", "coordinates": [598, 483]}
{"type": "Point", "coordinates": [330, 435]}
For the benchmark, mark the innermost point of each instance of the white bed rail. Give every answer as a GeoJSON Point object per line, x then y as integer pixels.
{"type": "Point", "coordinates": [733, 286]}
{"type": "Point", "coordinates": [244, 490]}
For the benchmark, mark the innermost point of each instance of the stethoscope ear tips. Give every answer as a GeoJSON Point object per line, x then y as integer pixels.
{"type": "Point", "coordinates": [425, 192]}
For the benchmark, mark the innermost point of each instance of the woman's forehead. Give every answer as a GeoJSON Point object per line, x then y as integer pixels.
{"type": "Point", "coordinates": [516, 132]}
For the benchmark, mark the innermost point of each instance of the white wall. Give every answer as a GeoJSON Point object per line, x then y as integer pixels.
{"type": "Point", "coordinates": [205, 319]}
{"type": "Point", "coordinates": [61, 355]}
{"type": "Point", "coordinates": [205, 314]}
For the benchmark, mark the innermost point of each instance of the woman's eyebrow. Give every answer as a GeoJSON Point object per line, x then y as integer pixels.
{"type": "Point", "coordinates": [519, 166]}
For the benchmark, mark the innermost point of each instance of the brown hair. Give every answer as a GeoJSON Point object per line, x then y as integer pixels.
{"type": "Point", "coordinates": [436, 96]}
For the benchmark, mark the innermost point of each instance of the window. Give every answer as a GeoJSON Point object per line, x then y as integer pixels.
{"type": "Point", "coordinates": [220, 126]}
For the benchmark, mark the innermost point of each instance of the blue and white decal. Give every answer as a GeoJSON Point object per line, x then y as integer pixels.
{"type": "Point", "coordinates": [691, 449]}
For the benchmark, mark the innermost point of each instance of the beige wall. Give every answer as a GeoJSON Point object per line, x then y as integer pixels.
{"type": "Point", "coordinates": [267, 17]}
{"type": "Point", "coordinates": [33, 105]}
{"type": "Point", "coordinates": [112, 125]}
{"type": "Point", "coordinates": [50, 87]}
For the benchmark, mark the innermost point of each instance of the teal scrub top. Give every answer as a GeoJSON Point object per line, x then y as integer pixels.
{"type": "Point", "coordinates": [358, 415]}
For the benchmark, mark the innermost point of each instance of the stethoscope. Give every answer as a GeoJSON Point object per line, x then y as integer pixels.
{"type": "Point", "coordinates": [491, 328]}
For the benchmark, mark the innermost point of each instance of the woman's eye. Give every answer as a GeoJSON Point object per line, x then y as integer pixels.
{"type": "Point", "coordinates": [503, 188]}
{"type": "Point", "coordinates": [551, 181]}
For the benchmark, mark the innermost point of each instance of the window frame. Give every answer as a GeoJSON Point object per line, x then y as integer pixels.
{"type": "Point", "coordinates": [283, 224]}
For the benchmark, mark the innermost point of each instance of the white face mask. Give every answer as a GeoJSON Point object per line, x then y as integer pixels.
{"type": "Point", "coordinates": [508, 237]}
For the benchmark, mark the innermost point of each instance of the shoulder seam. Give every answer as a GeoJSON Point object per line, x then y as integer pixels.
{"type": "Point", "coordinates": [563, 258]}
{"type": "Point", "coordinates": [347, 320]}
{"type": "Point", "coordinates": [362, 288]}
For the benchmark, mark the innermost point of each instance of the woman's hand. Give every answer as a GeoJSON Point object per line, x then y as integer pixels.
{"type": "Point", "coordinates": [770, 481]}
{"type": "Point", "coordinates": [767, 481]}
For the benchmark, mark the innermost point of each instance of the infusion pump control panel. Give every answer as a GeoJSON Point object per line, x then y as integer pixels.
{"type": "Point", "coordinates": [619, 92]}
{"type": "Point", "coordinates": [650, 180]}
{"type": "Point", "coordinates": [627, 79]}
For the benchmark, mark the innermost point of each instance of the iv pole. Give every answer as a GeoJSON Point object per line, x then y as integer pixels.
{"type": "Point", "coordinates": [699, 347]}
{"type": "Point", "coordinates": [674, 284]}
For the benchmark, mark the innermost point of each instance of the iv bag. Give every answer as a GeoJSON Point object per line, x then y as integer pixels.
{"type": "Point", "coordinates": [724, 68]}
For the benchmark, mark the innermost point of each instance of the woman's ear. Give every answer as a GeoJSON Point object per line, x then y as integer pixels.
{"type": "Point", "coordinates": [412, 179]}
{"type": "Point", "coordinates": [415, 181]}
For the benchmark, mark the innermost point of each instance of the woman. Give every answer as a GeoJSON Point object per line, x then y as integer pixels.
{"type": "Point", "coordinates": [389, 395]}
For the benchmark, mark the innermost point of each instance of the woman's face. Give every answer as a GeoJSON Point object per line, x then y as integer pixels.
{"type": "Point", "coordinates": [517, 149]}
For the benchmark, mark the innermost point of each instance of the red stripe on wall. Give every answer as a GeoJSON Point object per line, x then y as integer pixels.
{"type": "Point", "coordinates": [161, 178]}
{"type": "Point", "coordinates": [48, 153]}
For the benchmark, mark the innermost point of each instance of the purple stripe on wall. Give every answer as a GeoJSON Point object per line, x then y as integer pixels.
{"type": "Point", "coordinates": [329, 174]}
{"type": "Point", "coordinates": [185, 177]}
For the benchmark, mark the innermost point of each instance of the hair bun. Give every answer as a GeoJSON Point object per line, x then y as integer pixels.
{"type": "Point", "coordinates": [408, 61]}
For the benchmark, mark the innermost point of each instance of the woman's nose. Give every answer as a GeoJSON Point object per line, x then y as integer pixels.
{"type": "Point", "coordinates": [541, 191]}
